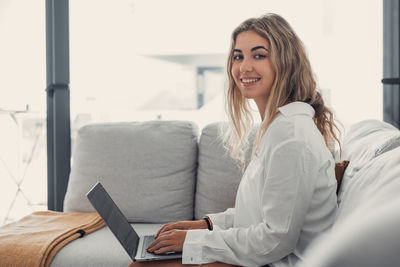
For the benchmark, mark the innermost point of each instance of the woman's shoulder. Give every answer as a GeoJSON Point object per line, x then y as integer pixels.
{"type": "Point", "coordinates": [283, 128]}
{"type": "Point", "coordinates": [295, 129]}
{"type": "Point", "coordinates": [279, 132]}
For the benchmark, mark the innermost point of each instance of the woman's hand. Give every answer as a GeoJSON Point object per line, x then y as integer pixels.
{"type": "Point", "coordinates": [168, 241]}
{"type": "Point", "coordinates": [182, 225]}
{"type": "Point", "coordinates": [171, 236]}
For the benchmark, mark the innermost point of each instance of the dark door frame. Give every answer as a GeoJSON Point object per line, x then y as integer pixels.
{"type": "Point", "coordinates": [391, 62]}
{"type": "Point", "coordinates": [58, 103]}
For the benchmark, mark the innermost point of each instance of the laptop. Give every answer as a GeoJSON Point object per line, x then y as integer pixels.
{"type": "Point", "coordinates": [134, 245]}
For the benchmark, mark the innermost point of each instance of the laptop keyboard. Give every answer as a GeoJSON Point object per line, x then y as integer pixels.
{"type": "Point", "coordinates": [147, 240]}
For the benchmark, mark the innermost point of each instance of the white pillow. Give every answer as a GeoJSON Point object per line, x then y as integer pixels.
{"type": "Point", "coordinates": [367, 140]}
{"type": "Point", "coordinates": [376, 184]}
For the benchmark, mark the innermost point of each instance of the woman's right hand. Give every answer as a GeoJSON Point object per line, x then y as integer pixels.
{"type": "Point", "coordinates": [182, 225]}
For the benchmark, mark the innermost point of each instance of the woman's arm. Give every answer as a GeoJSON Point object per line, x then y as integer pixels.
{"type": "Point", "coordinates": [223, 220]}
{"type": "Point", "coordinates": [173, 231]}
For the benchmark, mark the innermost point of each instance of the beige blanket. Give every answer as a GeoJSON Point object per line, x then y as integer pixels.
{"type": "Point", "coordinates": [35, 239]}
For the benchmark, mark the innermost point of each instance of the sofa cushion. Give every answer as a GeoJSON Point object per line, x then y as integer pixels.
{"type": "Point", "coordinates": [365, 232]}
{"type": "Point", "coordinates": [218, 176]}
{"type": "Point", "coordinates": [367, 239]}
{"type": "Point", "coordinates": [148, 168]}
{"type": "Point", "coordinates": [367, 140]}
{"type": "Point", "coordinates": [376, 184]}
{"type": "Point", "coordinates": [100, 248]}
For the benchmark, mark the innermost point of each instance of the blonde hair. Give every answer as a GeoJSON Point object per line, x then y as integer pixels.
{"type": "Point", "coordinates": [294, 81]}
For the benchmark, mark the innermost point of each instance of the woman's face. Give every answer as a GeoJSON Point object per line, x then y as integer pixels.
{"type": "Point", "coordinates": [251, 67]}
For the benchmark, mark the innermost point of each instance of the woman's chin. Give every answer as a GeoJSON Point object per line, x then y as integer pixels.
{"type": "Point", "coordinates": [248, 96]}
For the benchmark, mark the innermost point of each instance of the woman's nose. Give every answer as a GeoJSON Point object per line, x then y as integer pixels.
{"type": "Point", "coordinates": [246, 66]}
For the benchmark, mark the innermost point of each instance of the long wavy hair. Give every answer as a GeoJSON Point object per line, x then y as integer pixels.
{"type": "Point", "coordinates": [294, 81]}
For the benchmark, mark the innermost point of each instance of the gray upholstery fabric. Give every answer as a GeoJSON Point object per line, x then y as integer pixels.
{"type": "Point", "coordinates": [99, 249]}
{"type": "Point", "coordinates": [218, 176]}
{"type": "Point", "coordinates": [367, 239]}
{"type": "Point", "coordinates": [366, 231]}
{"type": "Point", "coordinates": [376, 184]}
{"type": "Point", "coordinates": [366, 140]}
{"type": "Point", "coordinates": [148, 168]}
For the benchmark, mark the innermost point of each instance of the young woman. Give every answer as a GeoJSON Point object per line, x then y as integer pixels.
{"type": "Point", "coordinates": [287, 196]}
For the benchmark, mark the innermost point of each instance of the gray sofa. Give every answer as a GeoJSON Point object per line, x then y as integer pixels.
{"type": "Point", "coordinates": [162, 171]}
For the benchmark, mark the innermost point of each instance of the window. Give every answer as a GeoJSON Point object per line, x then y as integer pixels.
{"type": "Point", "coordinates": [23, 171]}
{"type": "Point", "coordinates": [149, 59]}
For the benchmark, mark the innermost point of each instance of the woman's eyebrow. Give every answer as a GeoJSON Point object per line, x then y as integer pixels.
{"type": "Point", "coordinates": [252, 50]}
{"type": "Point", "coordinates": [259, 47]}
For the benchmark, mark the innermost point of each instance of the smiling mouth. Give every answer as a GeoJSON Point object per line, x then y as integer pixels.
{"type": "Point", "coordinates": [249, 81]}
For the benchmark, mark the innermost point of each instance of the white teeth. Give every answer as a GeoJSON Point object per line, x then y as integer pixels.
{"type": "Point", "coordinates": [252, 80]}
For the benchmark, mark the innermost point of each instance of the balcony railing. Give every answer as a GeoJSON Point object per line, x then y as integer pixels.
{"type": "Point", "coordinates": [23, 182]}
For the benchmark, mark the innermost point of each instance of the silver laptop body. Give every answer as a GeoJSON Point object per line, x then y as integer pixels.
{"type": "Point", "coordinates": [134, 245]}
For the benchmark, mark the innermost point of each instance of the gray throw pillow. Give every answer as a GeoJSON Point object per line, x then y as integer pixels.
{"type": "Point", "coordinates": [218, 175]}
{"type": "Point", "coordinates": [148, 168]}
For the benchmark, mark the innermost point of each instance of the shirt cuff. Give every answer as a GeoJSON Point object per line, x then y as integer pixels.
{"type": "Point", "coordinates": [223, 219]}
{"type": "Point", "coordinates": [192, 252]}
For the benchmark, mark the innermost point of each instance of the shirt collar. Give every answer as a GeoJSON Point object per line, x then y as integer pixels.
{"type": "Point", "coordinates": [296, 108]}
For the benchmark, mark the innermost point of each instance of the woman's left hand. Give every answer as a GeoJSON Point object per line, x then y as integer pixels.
{"type": "Point", "coordinates": [168, 241]}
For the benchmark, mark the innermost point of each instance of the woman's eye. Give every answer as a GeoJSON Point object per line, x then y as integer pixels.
{"type": "Point", "coordinates": [237, 57]}
{"type": "Point", "coordinates": [259, 56]}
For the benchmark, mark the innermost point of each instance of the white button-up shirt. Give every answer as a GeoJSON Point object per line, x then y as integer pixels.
{"type": "Point", "coordinates": [286, 198]}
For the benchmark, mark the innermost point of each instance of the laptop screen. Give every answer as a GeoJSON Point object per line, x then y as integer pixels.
{"type": "Point", "coordinates": [114, 218]}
